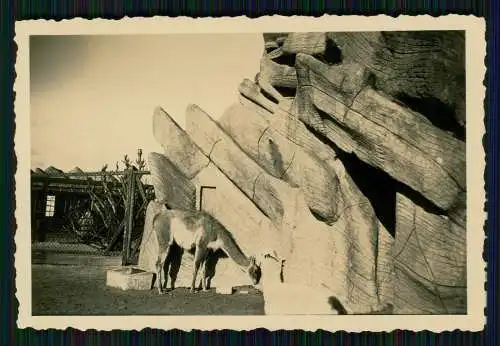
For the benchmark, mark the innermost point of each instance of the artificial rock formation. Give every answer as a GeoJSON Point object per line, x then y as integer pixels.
{"type": "Point", "coordinates": [346, 155]}
{"type": "Point", "coordinates": [426, 66]}
{"type": "Point", "coordinates": [422, 255]}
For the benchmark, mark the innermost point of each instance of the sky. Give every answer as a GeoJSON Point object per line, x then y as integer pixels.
{"type": "Point", "coordinates": [92, 97]}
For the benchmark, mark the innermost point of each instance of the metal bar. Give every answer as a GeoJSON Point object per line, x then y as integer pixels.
{"type": "Point", "coordinates": [202, 188]}
{"type": "Point", "coordinates": [40, 178]}
{"type": "Point", "coordinates": [85, 174]}
{"type": "Point", "coordinates": [76, 190]}
{"type": "Point", "coordinates": [61, 184]}
{"type": "Point", "coordinates": [56, 180]}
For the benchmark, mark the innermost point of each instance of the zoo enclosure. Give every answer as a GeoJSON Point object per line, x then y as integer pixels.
{"type": "Point", "coordinates": [100, 209]}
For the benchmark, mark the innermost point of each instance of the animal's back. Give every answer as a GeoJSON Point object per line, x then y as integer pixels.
{"type": "Point", "coordinates": [187, 227]}
{"type": "Point", "coordinates": [191, 218]}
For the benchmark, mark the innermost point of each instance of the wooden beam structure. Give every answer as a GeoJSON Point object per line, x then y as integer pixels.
{"type": "Point", "coordinates": [129, 215]}
{"type": "Point", "coordinates": [91, 183]}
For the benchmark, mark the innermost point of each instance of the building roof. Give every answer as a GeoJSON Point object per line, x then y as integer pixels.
{"type": "Point", "coordinates": [54, 180]}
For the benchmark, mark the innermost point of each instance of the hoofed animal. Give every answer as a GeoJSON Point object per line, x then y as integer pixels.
{"type": "Point", "coordinates": [197, 230]}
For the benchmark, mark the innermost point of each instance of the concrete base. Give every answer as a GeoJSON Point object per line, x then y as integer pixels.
{"type": "Point", "coordinates": [129, 278]}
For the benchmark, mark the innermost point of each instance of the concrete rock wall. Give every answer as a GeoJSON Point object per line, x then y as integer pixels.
{"type": "Point", "coordinates": [325, 158]}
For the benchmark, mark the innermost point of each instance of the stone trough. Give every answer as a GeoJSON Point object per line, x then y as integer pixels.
{"type": "Point", "coordinates": [129, 278]}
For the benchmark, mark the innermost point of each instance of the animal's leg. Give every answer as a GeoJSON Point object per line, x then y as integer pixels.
{"type": "Point", "coordinates": [160, 263]}
{"type": "Point", "coordinates": [161, 228]}
{"type": "Point", "coordinates": [200, 286]}
{"type": "Point", "coordinates": [205, 276]}
{"type": "Point", "coordinates": [198, 258]}
{"type": "Point", "coordinates": [176, 253]}
{"type": "Point", "coordinates": [210, 265]}
{"type": "Point", "coordinates": [166, 267]}
{"type": "Point", "coordinates": [209, 281]}
{"type": "Point", "coordinates": [205, 272]}
{"type": "Point", "coordinates": [159, 270]}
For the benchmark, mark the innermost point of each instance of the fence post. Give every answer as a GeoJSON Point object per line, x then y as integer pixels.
{"type": "Point", "coordinates": [129, 215]}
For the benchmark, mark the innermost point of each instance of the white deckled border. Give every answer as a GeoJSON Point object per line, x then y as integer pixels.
{"type": "Point", "coordinates": [475, 73]}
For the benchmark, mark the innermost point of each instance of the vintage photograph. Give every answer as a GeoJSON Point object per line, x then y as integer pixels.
{"type": "Point", "coordinates": [271, 172]}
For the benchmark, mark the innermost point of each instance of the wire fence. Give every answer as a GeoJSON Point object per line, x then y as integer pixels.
{"type": "Point", "coordinates": [90, 212]}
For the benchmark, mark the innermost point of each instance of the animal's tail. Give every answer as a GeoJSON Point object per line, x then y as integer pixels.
{"type": "Point", "coordinates": [337, 305]}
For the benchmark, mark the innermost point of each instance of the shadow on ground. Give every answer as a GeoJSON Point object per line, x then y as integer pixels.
{"type": "Point", "coordinates": [82, 290]}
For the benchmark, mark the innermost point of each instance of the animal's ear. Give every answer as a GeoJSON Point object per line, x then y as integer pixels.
{"type": "Point", "coordinates": [273, 255]}
{"type": "Point", "coordinates": [258, 259]}
{"type": "Point", "coordinates": [267, 253]}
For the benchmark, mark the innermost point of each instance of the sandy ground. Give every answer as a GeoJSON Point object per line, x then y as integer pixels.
{"type": "Point", "coordinates": [82, 290]}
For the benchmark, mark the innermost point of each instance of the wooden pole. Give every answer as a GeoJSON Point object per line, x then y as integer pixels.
{"type": "Point", "coordinates": [130, 220]}
{"type": "Point", "coordinates": [129, 215]}
{"type": "Point", "coordinates": [125, 227]}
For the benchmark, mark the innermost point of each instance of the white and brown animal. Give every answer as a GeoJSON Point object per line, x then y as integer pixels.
{"type": "Point", "coordinates": [199, 231]}
{"type": "Point", "coordinates": [285, 298]}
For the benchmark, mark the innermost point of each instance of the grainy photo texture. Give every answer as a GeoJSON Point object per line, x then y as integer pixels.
{"type": "Point", "coordinates": [273, 172]}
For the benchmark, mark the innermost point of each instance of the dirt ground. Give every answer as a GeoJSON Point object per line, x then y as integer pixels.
{"type": "Point", "coordinates": [82, 290]}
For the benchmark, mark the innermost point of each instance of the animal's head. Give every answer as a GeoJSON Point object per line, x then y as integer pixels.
{"type": "Point", "coordinates": [254, 271]}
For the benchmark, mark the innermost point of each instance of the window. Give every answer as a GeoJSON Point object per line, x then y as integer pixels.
{"type": "Point", "coordinates": [50, 206]}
